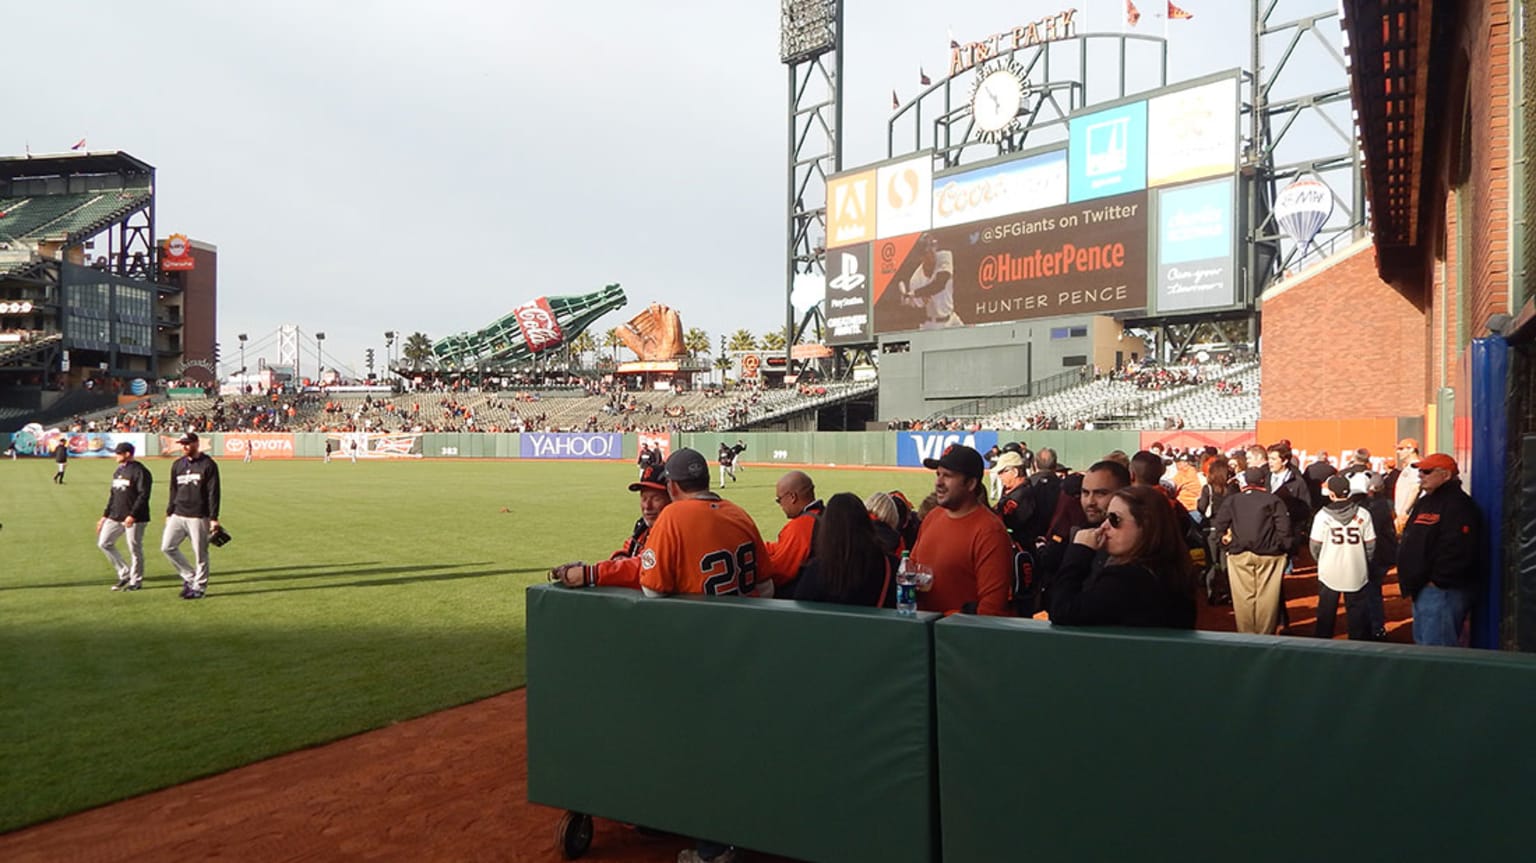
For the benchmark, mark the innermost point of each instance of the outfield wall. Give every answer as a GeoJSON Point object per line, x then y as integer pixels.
{"type": "Point", "coordinates": [1076, 449]}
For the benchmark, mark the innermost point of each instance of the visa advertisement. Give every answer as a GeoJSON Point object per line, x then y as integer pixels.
{"type": "Point", "coordinates": [1015, 186]}
{"type": "Point", "coordinates": [1196, 247]}
{"type": "Point", "coordinates": [1073, 259]}
{"type": "Point", "coordinates": [1108, 152]}
{"type": "Point", "coordinates": [848, 309]}
{"type": "Point", "coordinates": [913, 447]}
{"type": "Point", "coordinates": [562, 445]}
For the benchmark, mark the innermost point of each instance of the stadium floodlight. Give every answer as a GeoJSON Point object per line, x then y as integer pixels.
{"type": "Point", "coordinates": [319, 357]}
{"type": "Point", "coordinates": [807, 29]}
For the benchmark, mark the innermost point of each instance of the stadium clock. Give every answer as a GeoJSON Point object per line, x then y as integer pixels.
{"type": "Point", "coordinates": [997, 99]}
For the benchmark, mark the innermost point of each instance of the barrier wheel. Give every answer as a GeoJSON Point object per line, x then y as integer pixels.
{"type": "Point", "coordinates": [574, 835]}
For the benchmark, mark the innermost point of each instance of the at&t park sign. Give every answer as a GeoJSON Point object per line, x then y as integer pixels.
{"type": "Point", "coordinates": [1062, 25]}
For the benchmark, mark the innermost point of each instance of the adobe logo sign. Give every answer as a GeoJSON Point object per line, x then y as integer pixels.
{"type": "Point", "coordinates": [905, 204]}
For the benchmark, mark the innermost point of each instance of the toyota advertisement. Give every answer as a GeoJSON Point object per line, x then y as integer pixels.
{"type": "Point", "coordinates": [1074, 259]}
{"type": "Point", "coordinates": [263, 446]}
{"type": "Point", "coordinates": [552, 445]}
{"type": "Point", "coordinates": [847, 307]}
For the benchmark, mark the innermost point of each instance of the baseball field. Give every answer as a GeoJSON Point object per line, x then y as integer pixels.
{"type": "Point", "coordinates": [353, 596]}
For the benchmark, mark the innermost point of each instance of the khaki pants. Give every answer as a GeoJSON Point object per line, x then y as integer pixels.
{"type": "Point", "coordinates": [1256, 581]}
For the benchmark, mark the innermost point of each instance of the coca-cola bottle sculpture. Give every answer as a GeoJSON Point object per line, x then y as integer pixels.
{"type": "Point", "coordinates": [535, 326]}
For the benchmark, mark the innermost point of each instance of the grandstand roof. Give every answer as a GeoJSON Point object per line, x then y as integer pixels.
{"type": "Point", "coordinates": [72, 164]}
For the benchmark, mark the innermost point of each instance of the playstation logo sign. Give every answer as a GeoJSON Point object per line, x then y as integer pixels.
{"type": "Point", "coordinates": [849, 278]}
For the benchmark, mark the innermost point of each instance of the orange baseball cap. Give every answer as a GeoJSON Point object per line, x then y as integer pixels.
{"type": "Point", "coordinates": [1437, 461]}
{"type": "Point", "coordinates": [1407, 443]}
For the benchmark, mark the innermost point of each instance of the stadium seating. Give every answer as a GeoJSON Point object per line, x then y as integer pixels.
{"type": "Point", "coordinates": [1116, 403]}
{"type": "Point", "coordinates": [51, 215]}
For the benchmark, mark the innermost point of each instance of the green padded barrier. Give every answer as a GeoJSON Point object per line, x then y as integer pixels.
{"type": "Point", "coordinates": [1105, 744]}
{"type": "Point", "coordinates": [852, 448]}
{"type": "Point", "coordinates": [1077, 449]}
{"type": "Point", "coordinates": [803, 730]}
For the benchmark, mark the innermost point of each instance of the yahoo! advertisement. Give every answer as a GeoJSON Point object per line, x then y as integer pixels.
{"type": "Point", "coordinates": [609, 445]}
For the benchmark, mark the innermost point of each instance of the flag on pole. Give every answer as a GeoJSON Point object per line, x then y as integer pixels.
{"type": "Point", "coordinates": [1177, 14]}
{"type": "Point", "coordinates": [953, 45]}
{"type": "Point", "coordinates": [79, 145]}
{"type": "Point", "coordinates": [1132, 14]}
{"type": "Point", "coordinates": [922, 77]}
{"type": "Point", "coordinates": [895, 103]}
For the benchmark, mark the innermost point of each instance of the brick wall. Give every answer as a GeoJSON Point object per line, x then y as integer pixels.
{"type": "Point", "coordinates": [1485, 41]}
{"type": "Point", "coordinates": [1339, 343]}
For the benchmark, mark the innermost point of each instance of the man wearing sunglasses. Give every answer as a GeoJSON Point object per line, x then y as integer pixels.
{"type": "Point", "coordinates": [1439, 558]}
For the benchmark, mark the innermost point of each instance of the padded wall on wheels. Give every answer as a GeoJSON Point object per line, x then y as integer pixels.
{"type": "Point", "coordinates": [1060, 743]}
{"type": "Point", "coordinates": [796, 729]}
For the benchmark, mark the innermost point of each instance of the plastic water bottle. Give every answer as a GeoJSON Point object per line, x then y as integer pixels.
{"type": "Point", "coordinates": [906, 586]}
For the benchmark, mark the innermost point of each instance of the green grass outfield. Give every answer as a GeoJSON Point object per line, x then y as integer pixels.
{"type": "Point", "coordinates": [353, 596]}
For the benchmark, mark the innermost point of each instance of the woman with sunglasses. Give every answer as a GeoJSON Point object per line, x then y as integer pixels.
{"type": "Point", "coordinates": [1132, 570]}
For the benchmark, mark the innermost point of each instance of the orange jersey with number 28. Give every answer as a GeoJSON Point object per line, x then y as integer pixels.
{"type": "Point", "coordinates": [704, 546]}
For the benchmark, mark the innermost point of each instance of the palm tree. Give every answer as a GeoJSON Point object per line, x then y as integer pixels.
{"type": "Point", "coordinates": [417, 350]}
{"type": "Point", "coordinates": [696, 342]}
{"type": "Point", "coordinates": [611, 340]}
{"type": "Point", "coordinates": [773, 341]}
{"type": "Point", "coordinates": [582, 345]}
{"type": "Point", "coordinates": [743, 340]}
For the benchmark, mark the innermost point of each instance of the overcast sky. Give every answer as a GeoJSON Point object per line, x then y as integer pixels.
{"type": "Point", "coordinates": [390, 165]}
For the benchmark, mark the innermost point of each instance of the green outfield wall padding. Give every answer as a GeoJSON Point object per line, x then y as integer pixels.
{"type": "Point", "coordinates": [853, 448]}
{"type": "Point", "coordinates": [1079, 744]}
{"type": "Point", "coordinates": [1077, 449]}
{"type": "Point", "coordinates": [794, 729]}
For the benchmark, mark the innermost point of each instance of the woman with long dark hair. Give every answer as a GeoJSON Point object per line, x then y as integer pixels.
{"type": "Point", "coordinates": [1132, 570]}
{"type": "Point", "coordinates": [847, 564]}
{"type": "Point", "coordinates": [1219, 486]}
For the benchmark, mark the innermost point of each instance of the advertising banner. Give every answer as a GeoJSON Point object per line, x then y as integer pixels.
{"type": "Point", "coordinates": [374, 445]}
{"type": "Point", "coordinates": [905, 203]}
{"type": "Point", "coordinates": [176, 253]}
{"type": "Point", "coordinates": [607, 445]}
{"type": "Point", "coordinates": [1068, 260]}
{"type": "Point", "coordinates": [848, 306]}
{"type": "Point", "coordinates": [1195, 249]}
{"type": "Point", "coordinates": [1108, 152]}
{"type": "Point", "coordinates": [1192, 133]}
{"type": "Point", "coordinates": [851, 209]}
{"type": "Point", "coordinates": [261, 445]}
{"type": "Point", "coordinates": [1015, 186]}
{"type": "Point", "coordinates": [913, 447]}
{"type": "Point", "coordinates": [538, 324]}
{"type": "Point", "coordinates": [654, 440]}
{"type": "Point", "coordinates": [34, 440]}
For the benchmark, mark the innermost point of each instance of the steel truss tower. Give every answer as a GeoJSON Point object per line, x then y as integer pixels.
{"type": "Point", "coordinates": [811, 49]}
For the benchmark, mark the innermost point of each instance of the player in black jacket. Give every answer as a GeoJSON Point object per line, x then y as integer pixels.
{"type": "Point", "coordinates": [191, 513]}
{"type": "Point", "coordinates": [61, 455]}
{"type": "Point", "coordinates": [127, 514]}
{"type": "Point", "coordinates": [1439, 558]}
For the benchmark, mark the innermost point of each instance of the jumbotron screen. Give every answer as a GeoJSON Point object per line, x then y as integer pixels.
{"type": "Point", "coordinates": [1136, 214]}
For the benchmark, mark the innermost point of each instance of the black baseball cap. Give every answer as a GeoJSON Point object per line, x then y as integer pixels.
{"type": "Point", "coordinates": [655, 477]}
{"type": "Point", "coordinates": [958, 458]}
{"type": "Point", "coordinates": [189, 437]}
{"type": "Point", "coordinates": [1256, 477]}
{"type": "Point", "coordinates": [124, 448]}
{"type": "Point", "coordinates": [686, 464]}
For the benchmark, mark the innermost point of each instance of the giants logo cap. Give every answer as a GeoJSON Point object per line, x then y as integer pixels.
{"type": "Point", "coordinates": [686, 464]}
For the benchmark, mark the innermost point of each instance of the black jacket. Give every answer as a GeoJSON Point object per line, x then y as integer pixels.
{"type": "Point", "coordinates": [1117, 595]}
{"type": "Point", "coordinates": [131, 483]}
{"type": "Point", "coordinates": [1380, 509]}
{"type": "Point", "coordinates": [1440, 543]}
{"type": "Point", "coordinates": [875, 588]}
{"type": "Point", "coordinates": [1259, 522]}
{"type": "Point", "coordinates": [1298, 503]}
{"type": "Point", "coordinates": [1018, 509]}
{"type": "Point", "coordinates": [194, 488]}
